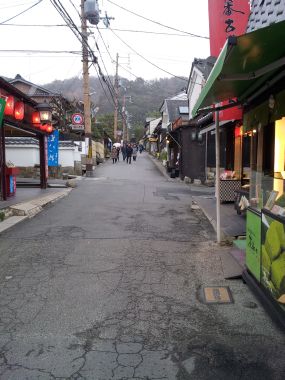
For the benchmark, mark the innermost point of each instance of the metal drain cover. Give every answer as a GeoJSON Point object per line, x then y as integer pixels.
{"type": "Point", "coordinates": [217, 294]}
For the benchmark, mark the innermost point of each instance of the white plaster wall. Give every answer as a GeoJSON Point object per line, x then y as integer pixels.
{"type": "Point", "coordinates": [66, 156]}
{"type": "Point", "coordinates": [153, 124]}
{"type": "Point", "coordinates": [26, 156]}
{"type": "Point", "coordinates": [23, 156]}
{"type": "Point", "coordinates": [195, 88]}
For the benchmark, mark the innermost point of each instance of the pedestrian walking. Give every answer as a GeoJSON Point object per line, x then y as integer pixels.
{"type": "Point", "coordinates": [118, 153]}
{"type": "Point", "coordinates": [135, 152]}
{"type": "Point", "coordinates": [129, 152]}
{"type": "Point", "coordinates": [140, 148]}
{"type": "Point", "coordinates": [114, 154]}
{"type": "Point", "coordinates": [124, 154]}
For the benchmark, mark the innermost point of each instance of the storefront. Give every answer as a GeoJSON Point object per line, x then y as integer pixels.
{"type": "Point", "coordinates": [251, 70]}
{"type": "Point", "coordinates": [21, 116]}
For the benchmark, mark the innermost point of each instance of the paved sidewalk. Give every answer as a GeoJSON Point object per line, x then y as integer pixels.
{"type": "Point", "coordinates": [16, 213]}
{"type": "Point", "coordinates": [232, 225]}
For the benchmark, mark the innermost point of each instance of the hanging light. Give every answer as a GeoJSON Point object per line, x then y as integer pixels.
{"type": "Point", "coordinates": [49, 128]}
{"type": "Point", "coordinates": [19, 110]}
{"type": "Point", "coordinates": [10, 105]}
{"type": "Point", "coordinates": [43, 127]}
{"type": "Point", "coordinates": [44, 110]}
{"type": "Point", "coordinates": [36, 119]}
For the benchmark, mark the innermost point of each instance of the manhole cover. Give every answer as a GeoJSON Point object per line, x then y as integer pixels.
{"type": "Point", "coordinates": [217, 294]}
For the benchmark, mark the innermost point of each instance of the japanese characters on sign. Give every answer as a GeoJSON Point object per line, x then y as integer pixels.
{"type": "Point", "coordinates": [229, 11]}
{"type": "Point", "coordinates": [53, 148]}
{"type": "Point", "coordinates": [226, 18]}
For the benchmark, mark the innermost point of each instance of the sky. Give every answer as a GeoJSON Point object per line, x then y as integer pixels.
{"type": "Point", "coordinates": [40, 53]}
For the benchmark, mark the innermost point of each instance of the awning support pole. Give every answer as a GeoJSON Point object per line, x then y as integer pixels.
{"type": "Point", "coordinates": [218, 197]}
{"type": "Point", "coordinates": [43, 162]}
{"type": "Point", "coordinates": [3, 162]}
{"type": "Point", "coordinates": [206, 157]}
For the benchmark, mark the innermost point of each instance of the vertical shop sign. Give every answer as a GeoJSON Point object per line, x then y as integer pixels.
{"type": "Point", "coordinates": [253, 243]}
{"type": "Point", "coordinates": [226, 18]}
{"type": "Point", "coordinates": [2, 108]}
{"type": "Point", "coordinates": [53, 149]}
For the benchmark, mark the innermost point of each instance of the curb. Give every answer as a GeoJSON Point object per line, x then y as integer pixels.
{"type": "Point", "coordinates": [27, 210]}
{"type": "Point", "coordinates": [160, 168]}
{"type": "Point", "coordinates": [212, 221]}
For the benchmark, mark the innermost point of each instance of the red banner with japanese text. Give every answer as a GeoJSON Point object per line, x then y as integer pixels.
{"type": "Point", "coordinates": [232, 113]}
{"type": "Point", "coordinates": [226, 18]}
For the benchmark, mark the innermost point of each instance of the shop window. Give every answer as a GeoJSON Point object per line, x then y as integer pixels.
{"type": "Point", "coordinates": [268, 168]}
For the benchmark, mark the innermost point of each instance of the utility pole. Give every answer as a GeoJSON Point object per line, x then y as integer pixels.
{"type": "Point", "coordinates": [116, 99]}
{"type": "Point", "coordinates": [124, 119]}
{"type": "Point", "coordinates": [86, 94]}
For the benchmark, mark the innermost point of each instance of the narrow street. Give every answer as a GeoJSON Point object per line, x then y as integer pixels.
{"type": "Point", "coordinates": [106, 284]}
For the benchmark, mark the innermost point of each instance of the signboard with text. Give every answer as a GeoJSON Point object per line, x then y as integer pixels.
{"type": "Point", "coordinates": [226, 18]}
{"type": "Point", "coordinates": [253, 243]}
{"type": "Point", "coordinates": [2, 108]}
{"type": "Point", "coordinates": [53, 148]}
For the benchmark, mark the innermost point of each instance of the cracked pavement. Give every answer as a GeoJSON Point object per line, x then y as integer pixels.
{"type": "Point", "coordinates": [105, 285]}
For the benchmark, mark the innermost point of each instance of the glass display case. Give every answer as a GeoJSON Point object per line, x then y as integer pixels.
{"type": "Point", "coordinates": [268, 191]}
{"type": "Point", "coordinates": [265, 250]}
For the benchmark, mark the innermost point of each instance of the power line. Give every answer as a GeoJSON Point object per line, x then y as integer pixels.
{"type": "Point", "coordinates": [40, 51]}
{"type": "Point", "coordinates": [15, 5]}
{"type": "Point", "coordinates": [156, 22]}
{"type": "Point", "coordinates": [26, 10]}
{"type": "Point", "coordinates": [92, 27]}
{"type": "Point", "coordinates": [107, 81]}
{"type": "Point", "coordinates": [112, 60]}
{"type": "Point", "coordinates": [145, 59]}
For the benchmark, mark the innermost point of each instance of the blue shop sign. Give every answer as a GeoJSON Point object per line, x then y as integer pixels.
{"type": "Point", "coordinates": [53, 148]}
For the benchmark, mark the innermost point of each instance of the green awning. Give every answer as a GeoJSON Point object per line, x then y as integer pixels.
{"type": "Point", "coordinates": [244, 65]}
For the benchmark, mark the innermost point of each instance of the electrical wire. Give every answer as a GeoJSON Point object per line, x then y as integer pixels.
{"type": "Point", "coordinates": [67, 18]}
{"type": "Point", "coordinates": [145, 59]}
{"type": "Point", "coordinates": [113, 60]}
{"type": "Point", "coordinates": [26, 10]}
{"type": "Point", "coordinates": [16, 5]}
{"type": "Point", "coordinates": [156, 22]}
{"type": "Point", "coordinates": [107, 81]}
{"type": "Point", "coordinates": [40, 51]}
{"type": "Point", "coordinates": [92, 27]}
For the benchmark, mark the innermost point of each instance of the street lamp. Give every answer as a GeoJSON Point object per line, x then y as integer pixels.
{"type": "Point", "coordinates": [44, 110]}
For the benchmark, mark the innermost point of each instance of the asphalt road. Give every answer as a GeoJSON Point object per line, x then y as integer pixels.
{"type": "Point", "coordinates": [106, 284]}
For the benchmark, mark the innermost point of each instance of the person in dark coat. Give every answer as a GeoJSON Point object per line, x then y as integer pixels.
{"type": "Point", "coordinates": [129, 153]}
{"type": "Point", "coordinates": [118, 153]}
{"type": "Point", "coordinates": [124, 147]}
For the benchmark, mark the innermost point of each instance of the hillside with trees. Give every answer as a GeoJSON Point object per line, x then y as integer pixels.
{"type": "Point", "coordinates": [143, 98]}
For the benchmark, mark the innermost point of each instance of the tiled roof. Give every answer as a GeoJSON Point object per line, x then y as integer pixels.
{"type": "Point", "coordinates": [264, 13]}
{"type": "Point", "coordinates": [205, 65]}
{"type": "Point", "coordinates": [173, 108]}
{"type": "Point", "coordinates": [34, 90]}
{"type": "Point", "coordinates": [21, 141]}
{"type": "Point", "coordinates": [32, 141]}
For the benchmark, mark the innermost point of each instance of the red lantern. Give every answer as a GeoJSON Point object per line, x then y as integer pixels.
{"type": "Point", "coordinates": [49, 128]}
{"type": "Point", "coordinates": [43, 127]}
{"type": "Point", "coordinates": [10, 104]}
{"type": "Point", "coordinates": [19, 111]}
{"type": "Point", "coordinates": [36, 118]}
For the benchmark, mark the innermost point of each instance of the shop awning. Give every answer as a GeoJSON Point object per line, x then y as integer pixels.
{"type": "Point", "coordinates": [244, 65]}
{"type": "Point", "coordinates": [212, 126]}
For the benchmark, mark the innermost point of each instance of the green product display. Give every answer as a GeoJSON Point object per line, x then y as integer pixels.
{"type": "Point", "coordinates": [253, 241]}
{"type": "Point", "coordinates": [273, 258]}
{"type": "Point", "coordinates": [2, 108]}
{"type": "Point", "coordinates": [272, 241]}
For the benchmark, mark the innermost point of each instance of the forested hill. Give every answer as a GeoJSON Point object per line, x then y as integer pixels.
{"type": "Point", "coordinates": [143, 98]}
